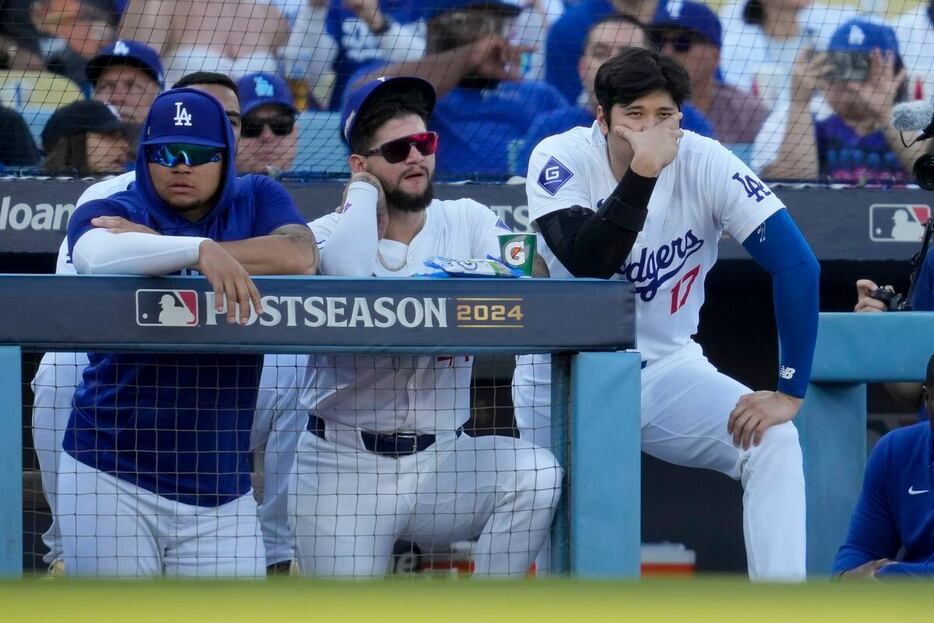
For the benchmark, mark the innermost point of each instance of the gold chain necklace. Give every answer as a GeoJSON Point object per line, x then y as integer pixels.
{"type": "Point", "coordinates": [392, 269]}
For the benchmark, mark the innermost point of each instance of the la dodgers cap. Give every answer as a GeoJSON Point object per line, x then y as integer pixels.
{"type": "Point", "coordinates": [126, 52]}
{"type": "Point", "coordinates": [443, 6]}
{"type": "Point", "coordinates": [692, 16]}
{"type": "Point", "coordinates": [263, 88]}
{"type": "Point", "coordinates": [862, 35]}
{"type": "Point", "coordinates": [421, 92]}
{"type": "Point", "coordinates": [186, 116]}
{"type": "Point", "coordinates": [77, 118]}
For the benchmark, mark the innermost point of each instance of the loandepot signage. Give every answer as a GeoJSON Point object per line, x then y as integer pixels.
{"type": "Point", "coordinates": [44, 216]}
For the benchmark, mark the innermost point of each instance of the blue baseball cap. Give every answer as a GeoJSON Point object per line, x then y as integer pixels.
{"type": "Point", "coordinates": [262, 88]}
{"type": "Point", "coordinates": [687, 15]}
{"type": "Point", "coordinates": [420, 91]}
{"type": "Point", "coordinates": [443, 6]}
{"type": "Point", "coordinates": [861, 35]}
{"type": "Point", "coordinates": [125, 52]}
{"type": "Point", "coordinates": [186, 116]}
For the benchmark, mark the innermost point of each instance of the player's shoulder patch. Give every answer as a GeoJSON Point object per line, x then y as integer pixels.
{"type": "Point", "coordinates": [553, 176]}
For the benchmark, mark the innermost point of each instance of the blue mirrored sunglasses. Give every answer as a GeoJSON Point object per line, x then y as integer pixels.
{"type": "Point", "coordinates": [174, 154]}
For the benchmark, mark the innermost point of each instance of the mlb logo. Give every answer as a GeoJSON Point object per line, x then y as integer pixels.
{"type": "Point", "coordinates": [167, 308]}
{"type": "Point", "coordinates": [897, 222]}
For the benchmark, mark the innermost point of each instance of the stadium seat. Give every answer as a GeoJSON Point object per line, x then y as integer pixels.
{"type": "Point", "coordinates": [36, 89]}
{"type": "Point", "coordinates": [36, 118]}
{"type": "Point", "coordinates": [321, 150]}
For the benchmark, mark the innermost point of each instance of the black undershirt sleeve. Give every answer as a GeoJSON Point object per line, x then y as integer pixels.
{"type": "Point", "coordinates": [595, 244]}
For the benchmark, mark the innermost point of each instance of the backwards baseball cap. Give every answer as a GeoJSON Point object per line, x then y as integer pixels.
{"type": "Point", "coordinates": [687, 15]}
{"type": "Point", "coordinates": [77, 118]}
{"type": "Point", "coordinates": [861, 35]}
{"type": "Point", "coordinates": [186, 116]}
{"type": "Point", "coordinates": [443, 6]}
{"type": "Point", "coordinates": [124, 52]}
{"type": "Point", "coordinates": [260, 89]}
{"type": "Point", "coordinates": [420, 91]}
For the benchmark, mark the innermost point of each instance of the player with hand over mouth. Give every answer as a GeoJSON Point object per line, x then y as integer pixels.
{"type": "Point", "coordinates": [634, 197]}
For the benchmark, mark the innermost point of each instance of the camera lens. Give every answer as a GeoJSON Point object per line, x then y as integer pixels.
{"type": "Point", "coordinates": [924, 171]}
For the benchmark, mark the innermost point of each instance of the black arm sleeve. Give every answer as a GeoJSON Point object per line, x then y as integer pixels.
{"type": "Point", "coordinates": [594, 244]}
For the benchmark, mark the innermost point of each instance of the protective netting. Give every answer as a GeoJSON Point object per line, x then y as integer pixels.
{"type": "Point", "coordinates": [797, 89]}
{"type": "Point", "coordinates": [308, 480]}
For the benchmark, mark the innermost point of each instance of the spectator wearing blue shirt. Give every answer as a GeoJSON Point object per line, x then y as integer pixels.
{"type": "Point", "coordinates": [892, 528]}
{"type": "Point", "coordinates": [567, 38]}
{"type": "Point", "coordinates": [370, 32]}
{"type": "Point", "coordinates": [607, 38]}
{"type": "Point", "coordinates": [155, 477]}
{"type": "Point", "coordinates": [484, 104]}
{"type": "Point", "coordinates": [863, 77]}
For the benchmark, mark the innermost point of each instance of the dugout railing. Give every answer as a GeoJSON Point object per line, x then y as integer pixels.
{"type": "Point", "coordinates": [597, 530]}
{"type": "Point", "coordinates": [595, 390]}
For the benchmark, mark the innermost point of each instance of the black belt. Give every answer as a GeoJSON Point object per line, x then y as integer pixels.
{"type": "Point", "coordinates": [386, 444]}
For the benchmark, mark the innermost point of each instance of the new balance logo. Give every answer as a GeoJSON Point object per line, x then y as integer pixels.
{"type": "Point", "coordinates": [786, 373]}
{"type": "Point", "coordinates": [167, 308]}
{"type": "Point", "coordinates": [182, 116]}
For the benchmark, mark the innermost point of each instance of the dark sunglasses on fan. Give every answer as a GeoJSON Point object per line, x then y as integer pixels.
{"type": "Point", "coordinates": [174, 154]}
{"type": "Point", "coordinates": [681, 42]}
{"type": "Point", "coordinates": [397, 150]}
{"type": "Point", "coordinates": [280, 126]}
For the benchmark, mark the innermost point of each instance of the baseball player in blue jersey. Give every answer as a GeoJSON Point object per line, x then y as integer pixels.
{"type": "Point", "coordinates": [60, 372]}
{"type": "Point", "coordinates": [634, 197]}
{"type": "Point", "coordinates": [155, 476]}
{"type": "Point", "coordinates": [892, 528]}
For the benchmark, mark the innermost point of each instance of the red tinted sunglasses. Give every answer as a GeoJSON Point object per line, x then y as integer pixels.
{"type": "Point", "coordinates": [397, 150]}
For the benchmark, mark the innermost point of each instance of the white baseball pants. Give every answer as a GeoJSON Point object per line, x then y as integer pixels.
{"type": "Point", "coordinates": [111, 527]}
{"type": "Point", "coordinates": [686, 403]}
{"type": "Point", "coordinates": [350, 505]}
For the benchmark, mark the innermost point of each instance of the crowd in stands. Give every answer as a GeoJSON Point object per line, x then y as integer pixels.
{"type": "Point", "coordinates": [798, 89]}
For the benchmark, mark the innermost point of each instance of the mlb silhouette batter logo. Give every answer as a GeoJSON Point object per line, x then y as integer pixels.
{"type": "Point", "coordinates": [897, 222]}
{"type": "Point", "coordinates": [167, 308]}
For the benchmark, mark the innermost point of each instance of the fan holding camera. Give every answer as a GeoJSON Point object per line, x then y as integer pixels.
{"type": "Point", "coordinates": [862, 76]}
{"type": "Point", "coordinates": [920, 297]}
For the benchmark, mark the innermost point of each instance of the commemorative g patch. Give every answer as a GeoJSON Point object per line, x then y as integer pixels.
{"type": "Point", "coordinates": [554, 175]}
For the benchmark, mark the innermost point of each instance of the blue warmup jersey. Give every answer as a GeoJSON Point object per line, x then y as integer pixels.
{"type": "Point", "coordinates": [895, 511]}
{"type": "Point", "coordinates": [176, 424]}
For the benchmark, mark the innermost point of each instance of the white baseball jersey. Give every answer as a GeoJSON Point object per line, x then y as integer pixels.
{"type": "Point", "coordinates": [404, 393]}
{"type": "Point", "coordinates": [687, 214]}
